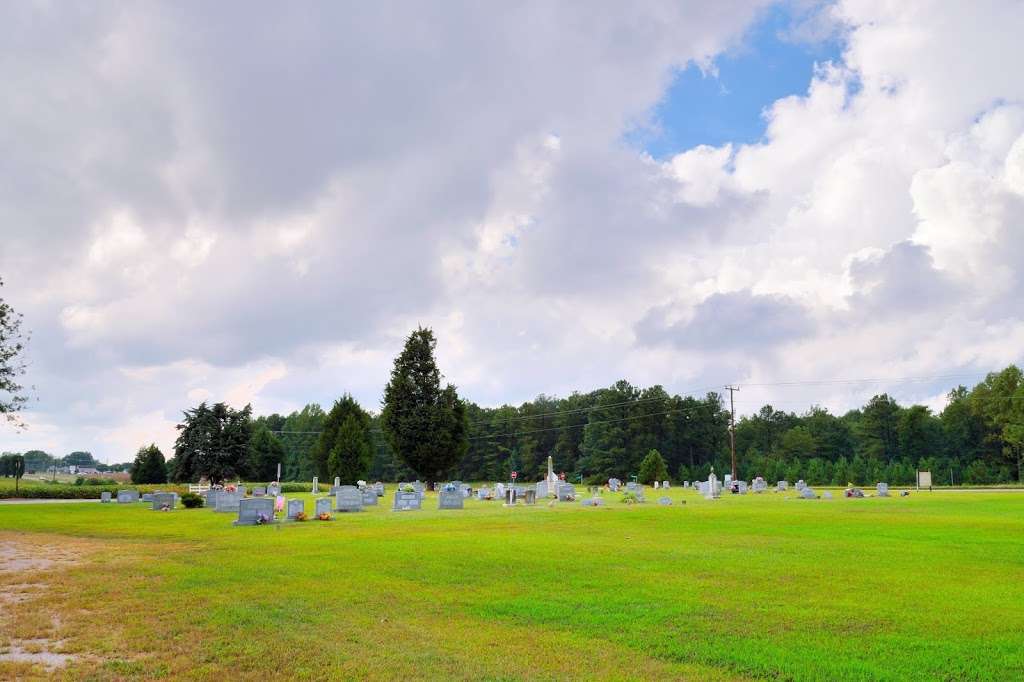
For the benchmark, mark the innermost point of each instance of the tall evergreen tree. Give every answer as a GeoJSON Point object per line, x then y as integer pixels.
{"type": "Point", "coordinates": [213, 443]}
{"type": "Point", "coordinates": [652, 468]}
{"type": "Point", "coordinates": [425, 424]}
{"type": "Point", "coordinates": [265, 453]}
{"type": "Point", "coordinates": [149, 465]}
{"type": "Point", "coordinates": [344, 448]}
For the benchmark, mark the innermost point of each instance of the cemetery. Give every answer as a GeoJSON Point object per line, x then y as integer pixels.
{"type": "Point", "coordinates": [537, 577]}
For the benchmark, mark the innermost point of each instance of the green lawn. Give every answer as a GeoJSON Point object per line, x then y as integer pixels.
{"type": "Point", "coordinates": [767, 586]}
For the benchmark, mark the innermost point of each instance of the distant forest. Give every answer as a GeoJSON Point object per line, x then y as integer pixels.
{"type": "Point", "coordinates": [976, 439]}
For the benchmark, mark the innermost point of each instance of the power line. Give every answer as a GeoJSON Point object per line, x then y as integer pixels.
{"type": "Point", "coordinates": [822, 382]}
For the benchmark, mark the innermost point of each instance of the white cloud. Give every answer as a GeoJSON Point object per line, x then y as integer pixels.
{"type": "Point", "coordinates": [232, 214]}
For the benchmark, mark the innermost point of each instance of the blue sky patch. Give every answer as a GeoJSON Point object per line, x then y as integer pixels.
{"type": "Point", "coordinates": [725, 107]}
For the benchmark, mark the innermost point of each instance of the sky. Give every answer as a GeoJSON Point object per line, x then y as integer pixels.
{"type": "Point", "coordinates": [256, 202]}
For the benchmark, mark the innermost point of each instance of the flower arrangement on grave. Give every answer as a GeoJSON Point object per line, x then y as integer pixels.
{"type": "Point", "coordinates": [165, 507]}
{"type": "Point", "coordinates": [629, 497]}
{"type": "Point", "coordinates": [407, 488]}
{"type": "Point", "coordinates": [301, 516]}
{"type": "Point", "coordinates": [262, 518]}
{"type": "Point", "coordinates": [230, 488]}
{"type": "Point", "coordinates": [324, 516]}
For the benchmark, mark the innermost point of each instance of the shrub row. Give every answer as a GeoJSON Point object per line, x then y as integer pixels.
{"type": "Point", "coordinates": [82, 492]}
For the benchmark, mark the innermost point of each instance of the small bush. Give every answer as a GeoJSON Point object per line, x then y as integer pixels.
{"type": "Point", "coordinates": [191, 501]}
{"type": "Point", "coordinates": [629, 497]}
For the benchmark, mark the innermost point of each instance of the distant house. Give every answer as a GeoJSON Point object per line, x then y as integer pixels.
{"type": "Point", "coordinates": [87, 471]}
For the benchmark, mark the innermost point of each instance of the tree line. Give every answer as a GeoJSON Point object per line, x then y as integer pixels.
{"type": "Point", "coordinates": [426, 430]}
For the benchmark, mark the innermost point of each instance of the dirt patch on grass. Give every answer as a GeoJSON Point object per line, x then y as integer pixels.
{"type": "Point", "coordinates": [18, 556]}
{"type": "Point", "coordinates": [30, 624]}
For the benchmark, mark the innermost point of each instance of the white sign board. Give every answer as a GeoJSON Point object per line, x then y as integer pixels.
{"type": "Point", "coordinates": [924, 479]}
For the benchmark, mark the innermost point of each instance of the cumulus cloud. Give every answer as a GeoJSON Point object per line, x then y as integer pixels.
{"type": "Point", "coordinates": [257, 202]}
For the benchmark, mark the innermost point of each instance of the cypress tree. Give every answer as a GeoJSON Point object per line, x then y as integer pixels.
{"type": "Point", "coordinates": [425, 424]}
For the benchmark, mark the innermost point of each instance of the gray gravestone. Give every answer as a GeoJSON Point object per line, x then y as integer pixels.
{"type": "Point", "coordinates": [127, 496]}
{"type": "Point", "coordinates": [450, 498]}
{"type": "Point", "coordinates": [407, 501]}
{"type": "Point", "coordinates": [541, 489]}
{"type": "Point", "coordinates": [530, 496]}
{"type": "Point", "coordinates": [511, 496]}
{"type": "Point", "coordinates": [882, 489]}
{"type": "Point", "coordinates": [274, 489]}
{"type": "Point", "coordinates": [592, 502]}
{"type": "Point", "coordinates": [348, 499]}
{"type": "Point", "coordinates": [800, 485]}
{"type": "Point", "coordinates": [664, 484]}
{"type": "Point", "coordinates": [636, 489]}
{"type": "Point", "coordinates": [369, 497]}
{"type": "Point", "coordinates": [259, 491]}
{"type": "Point", "coordinates": [807, 493]}
{"type": "Point", "coordinates": [316, 485]}
{"type": "Point", "coordinates": [104, 496]}
{"type": "Point", "coordinates": [323, 506]}
{"type": "Point", "coordinates": [378, 488]}
{"type": "Point", "coordinates": [241, 490]}
{"type": "Point", "coordinates": [483, 493]}
{"type": "Point", "coordinates": [147, 497]}
{"type": "Point", "coordinates": [294, 507]}
{"type": "Point", "coordinates": [614, 484]}
{"type": "Point", "coordinates": [782, 486]}
{"type": "Point", "coordinates": [826, 495]}
{"type": "Point", "coordinates": [227, 501]}
{"type": "Point", "coordinates": [664, 500]}
{"type": "Point", "coordinates": [254, 510]}
{"type": "Point", "coordinates": [161, 500]}
{"type": "Point", "coordinates": [566, 492]}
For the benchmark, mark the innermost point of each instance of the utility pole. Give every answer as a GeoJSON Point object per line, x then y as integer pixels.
{"type": "Point", "coordinates": [732, 427]}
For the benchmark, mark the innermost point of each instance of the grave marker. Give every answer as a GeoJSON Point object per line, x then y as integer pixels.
{"type": "Point", "coordinates": [127, 496]}
{"type": "Point", "coordinates": [294, 507]}
{"type": "Point", "coordinates": [407, 501]}
{"type": "Point", "coordinates": [323, 506]}
{"type": "Point", "coordinates": [348, 499]}
{"type": "Point", "coordinates": [254, 511]}
{"type": "Point", "coordinates": [450, 497]}
{"type": "Point", "coordinates": [227, 501]}
{"type": "Point", "coordinates": [104, 496]}
{"type": "Point", "coordinates": [164, 500]}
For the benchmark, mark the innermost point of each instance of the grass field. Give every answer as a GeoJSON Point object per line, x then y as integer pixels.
{"type": "Point", "coordinates": [924, 587]}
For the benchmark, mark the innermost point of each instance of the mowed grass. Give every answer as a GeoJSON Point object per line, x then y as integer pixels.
{"type": "Point", "coordinates": [757, 586]}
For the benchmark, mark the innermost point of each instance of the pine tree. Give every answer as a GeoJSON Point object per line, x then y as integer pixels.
{"type": "Point", "coordinates": [352, 454]}
{"type": "Point", "coordinates": [265, 453]}
{"type": "Point", "coordinates": [352, 450]}
{"type": "Point", "coordinates": [653, 468]}
{"type": "Point", "coordinates": [425, 424]}
{"type": "Point", "coordinates": [149, 465]}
